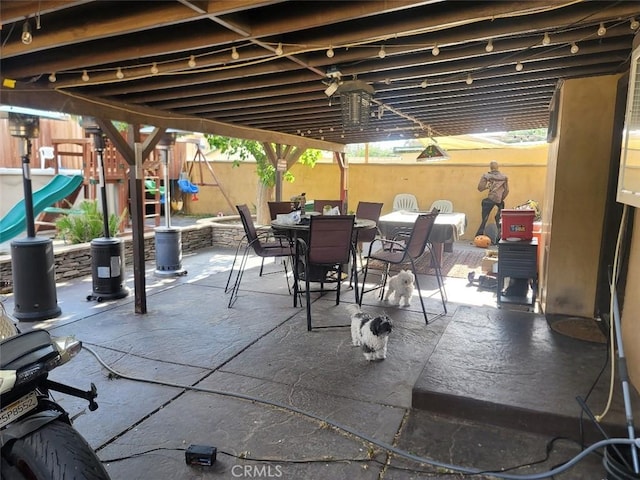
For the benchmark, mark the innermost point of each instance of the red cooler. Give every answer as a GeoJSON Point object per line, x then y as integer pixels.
{"type": "Point", "coordinates": [517, 224]}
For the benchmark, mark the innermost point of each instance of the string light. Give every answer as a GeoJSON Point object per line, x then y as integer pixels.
{"type": "Point", "coordinates": [602, 30]}
{"type": "Point", "coordinates": [435, 51]}
{"type": "Point", "coordinates": [634, 24]}
{"type": "Point", "coordinates": [27, 38]}
{"type": "Point", "coordinates": [489, 47]}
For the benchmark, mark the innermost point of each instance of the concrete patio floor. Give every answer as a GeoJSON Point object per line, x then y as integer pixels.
{"type": "Point", "coordinates": [480, 388]}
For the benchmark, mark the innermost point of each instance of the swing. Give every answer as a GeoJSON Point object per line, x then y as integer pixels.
{"type": "Point", "coordinates": [187, 187]}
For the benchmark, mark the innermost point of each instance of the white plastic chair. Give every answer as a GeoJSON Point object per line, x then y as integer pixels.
{"type": "Point", "coordinates": [405, 201]}
{"type": "Point", "coordinates": [46, 153]}
{"type": "Point", "coordinates": [443, 206]}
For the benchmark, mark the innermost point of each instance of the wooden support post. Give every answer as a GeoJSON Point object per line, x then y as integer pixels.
{"type": "Point", "coordinates": [137, 206]}
{"type": "Point", "coordinates": [135, 154]}
{"type": "Point", "coordinates": [344, 179]}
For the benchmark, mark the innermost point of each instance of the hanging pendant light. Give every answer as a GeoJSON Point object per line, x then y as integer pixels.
{"type": "Point", "coordinates": [432, 153]}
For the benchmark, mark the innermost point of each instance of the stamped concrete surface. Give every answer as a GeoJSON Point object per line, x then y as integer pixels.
{"type": "Point", "coordinates": [278, 401]}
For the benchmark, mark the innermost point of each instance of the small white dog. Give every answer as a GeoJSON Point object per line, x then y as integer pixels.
{"type": "Point", "coordinates": [370, 333]}
{"type": "Point", "coordinates": [401, 285]}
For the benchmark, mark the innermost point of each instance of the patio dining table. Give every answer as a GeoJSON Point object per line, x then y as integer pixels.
{"type": "Point", "coordinates": [448, 227]}
{"type": "Point", "coordinates": [301, 230]}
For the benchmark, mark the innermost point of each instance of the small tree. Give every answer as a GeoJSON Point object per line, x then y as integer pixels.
{"type": "Point", "coordinates": [246, 149]}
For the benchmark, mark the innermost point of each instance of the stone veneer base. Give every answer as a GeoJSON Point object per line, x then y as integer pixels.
{"type": "Point", "coordinates": [72, 261]}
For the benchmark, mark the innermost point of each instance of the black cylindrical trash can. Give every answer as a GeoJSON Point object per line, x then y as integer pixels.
{"type": "Point", "coordinates": [169, 252]}
{"type": "Point", "coordinates": [34, 279]}
{"type": "Point", "coordinates": [107, 269]}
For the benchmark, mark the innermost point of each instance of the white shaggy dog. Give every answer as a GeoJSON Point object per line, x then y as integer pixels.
{"type": "Point", "coordinates": [370, 333]}
{"type": "Point", "coordinates": [401, 285]}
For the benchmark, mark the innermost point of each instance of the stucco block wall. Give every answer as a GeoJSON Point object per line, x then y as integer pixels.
{"type": "Point", "coordinates": [455, 179]}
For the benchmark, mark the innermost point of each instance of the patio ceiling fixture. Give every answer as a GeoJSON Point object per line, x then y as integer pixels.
{"type": "Point", "coordinates": [26, 37]}
{"type": "Point", "coordinates": [433, 153]}
{"type": "Point", "coordinates": [355, 98]}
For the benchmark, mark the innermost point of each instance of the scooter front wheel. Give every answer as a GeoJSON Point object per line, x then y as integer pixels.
{"type": "Point", "coordinates": [55, 452]}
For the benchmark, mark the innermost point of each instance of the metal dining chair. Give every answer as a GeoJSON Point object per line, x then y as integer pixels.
{"type": "Point", "coordinates": [406, 251]}
{"type": "Point", "coordinates": [259, 244]}
{"type": "Point", "coordinates": [275, 209]}
{"type": "Point", "coordinates": [370, 211]}
{"type": "Point", "coordinates": [278, 208]}
{"type": "Point", "coordinates": [318, 205]}
{"type": "Point", "coordinates": [321, 257]}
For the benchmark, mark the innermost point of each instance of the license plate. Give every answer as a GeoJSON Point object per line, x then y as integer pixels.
{"type": "Point", "coordinates": [18, 408]}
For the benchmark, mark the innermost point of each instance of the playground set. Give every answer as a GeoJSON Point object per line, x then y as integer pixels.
{"type": "Point", "coordinates": [59, 196]}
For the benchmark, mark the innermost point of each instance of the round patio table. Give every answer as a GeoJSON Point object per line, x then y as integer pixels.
{"type": "Point", "coordinates": [295, 228]}
{"type": "Point", "coordinates": [300, 230]}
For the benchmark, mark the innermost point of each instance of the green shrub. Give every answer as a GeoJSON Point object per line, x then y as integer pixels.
{"type": "Point", "coordinates": [84, 227]}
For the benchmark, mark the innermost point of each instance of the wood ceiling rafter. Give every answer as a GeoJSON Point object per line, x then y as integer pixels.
{"type": "Point", "coordinates": [285, 93]}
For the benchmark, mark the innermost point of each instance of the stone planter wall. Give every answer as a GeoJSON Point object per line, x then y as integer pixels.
{"type": "Point", "coordinates": [72, 261]}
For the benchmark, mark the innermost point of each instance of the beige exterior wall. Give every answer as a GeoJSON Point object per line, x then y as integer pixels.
{"type": "Point", "coordinates": [455, 179]}
{"type": "Point", "coordinates": [577, 192]}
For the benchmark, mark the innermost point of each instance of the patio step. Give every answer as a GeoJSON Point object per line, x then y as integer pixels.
{"type": "Point", "coordinates": [509, 369]}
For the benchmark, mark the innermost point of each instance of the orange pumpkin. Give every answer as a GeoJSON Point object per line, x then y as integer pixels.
{"type": "Point", "coordinates": [482, 241]}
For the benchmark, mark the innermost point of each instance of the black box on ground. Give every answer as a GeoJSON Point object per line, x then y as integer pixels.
{"type": "Point", "coordinates": [200, 455]}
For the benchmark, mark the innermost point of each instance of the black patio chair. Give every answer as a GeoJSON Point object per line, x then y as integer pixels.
{"type": "Point", "coordinates": [370, 211]}
{"type": "Point", "coordinates": [321, 257]}
{"type": "Point", "coordinates": [259, 244]}
{"type": "Point", "coordinates": [278, 208]}
{"type": "Point", "coordinates": [406, 250]}
{"type": "Point", "coordinates": [275, 209]}
{"type": "Point", "coordinates": [318, 205]}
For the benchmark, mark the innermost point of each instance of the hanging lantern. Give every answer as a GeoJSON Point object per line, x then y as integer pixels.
{"type": "Point", "coordinates": [432, 153]}
{"type": "Point", "coordinates": [355, 99]}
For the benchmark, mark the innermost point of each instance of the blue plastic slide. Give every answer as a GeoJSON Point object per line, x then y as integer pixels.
{"type": "Point", "coordinates": [15, 221]}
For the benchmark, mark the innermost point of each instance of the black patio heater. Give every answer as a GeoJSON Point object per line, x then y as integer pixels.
{"type": "Point", "coordinates": [32, 263]}
{"type": "Point", "coordinates": [168, 239]}
{"type": "Point", "coordinates": [106, 252]}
